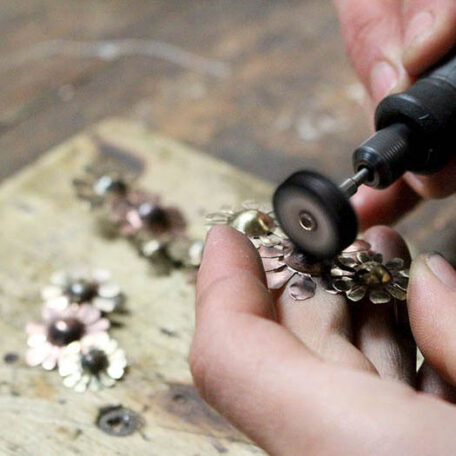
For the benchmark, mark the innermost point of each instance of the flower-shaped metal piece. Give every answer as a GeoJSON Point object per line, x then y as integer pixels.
{"type": "Point", "coordinates": [93, 362]}
{"type": "Point", "coordinates": [255, 221]}
{"type": "Point", "coordinates": [141, 212]}
{"type": "Point", "coordinates": [101, 183]}
{"type": "Point", "coordinates": [83, 286]}
{"type": "Point", "coordinates": [59, 328]}
{"type": "Point", "coordinates": [287, 265]}
{"type": "Point", "coordinates": [364, 274]}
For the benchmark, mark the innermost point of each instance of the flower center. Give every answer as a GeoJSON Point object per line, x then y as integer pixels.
{"type": "Point", "coordinates": [81, 290]}
{"type": "Point", "coordinates": [94, 361]}
{"type": "Point", "coordinates": [63, 331]}
{"type": "Point", "coordinates": [300, 263]}
{"type": "Point", "coordinates": [253, 223]}
{"type": "Point", "coordinates": [153, 214]}
{"type": "Point", "coordinates": [373, 274]}
{"type": "Point", "coordinates": [106, 184]}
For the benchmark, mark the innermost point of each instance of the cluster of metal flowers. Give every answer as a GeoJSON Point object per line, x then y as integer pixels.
{"type": "Point", "coordinates": [72, 334]}
{"type": "Point", "coordinates": [358, 272]}
{"type": "Point", "coordinates": [157, 231]}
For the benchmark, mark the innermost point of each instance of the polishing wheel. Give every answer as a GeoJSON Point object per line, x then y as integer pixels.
{"type": "Point", "coordinates": [315, 214]}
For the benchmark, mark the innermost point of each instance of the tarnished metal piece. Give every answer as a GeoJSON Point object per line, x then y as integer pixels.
{"type": "Point", "coordinates": [119, 421]}
{"type": "Point", "coordinates": [365, 275]}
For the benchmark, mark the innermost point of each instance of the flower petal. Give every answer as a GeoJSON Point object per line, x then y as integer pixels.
{"type": "Point", "coordinates": [395, 264]}
{"type": "Point", "coordinates": [278, 279]}
{"type": "Point", "coordinates": [357, 293]}
{"type": "Point", "coordinates": [272, 264]}
{"type": "Point", "coordinates": [302, 288]}
{"type": "Point", "coordinates": [88, 314]}
{"type": "Point", "coordinates": [343, 284]}
{"type": "Point", "coordinates": [397, 292]}
{"type": "Point", "coordinates": [100, 325]}
{"type": "Point", "coordinates": [358, 246]}
{"type": "Point", "coordinates": [347, 261]}
{"type": "Point", "coordinates": [51, 291]}
{"type": "Point", "coordinates": [379, 296]}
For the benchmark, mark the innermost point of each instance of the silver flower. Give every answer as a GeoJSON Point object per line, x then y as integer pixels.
{"type": "Point", "coordinates": [83, 286]}
{"type": "Point", "coordinates": [364, 274]}
{"type": "Point", "coordinates": [60, 327]}
{"type": "Point", "coordinates": [94, 362]}
{"type": "Point", "coordinates": [255, 221]}
{"type": "Point", "coordinates": [101, 183]}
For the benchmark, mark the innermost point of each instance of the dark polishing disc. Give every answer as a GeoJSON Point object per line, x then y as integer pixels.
{"type": "Point", "coordinates": [315, 214]}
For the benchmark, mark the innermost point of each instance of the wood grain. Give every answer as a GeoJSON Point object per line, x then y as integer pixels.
{"type": "Point", "coordinates": [45, 228]}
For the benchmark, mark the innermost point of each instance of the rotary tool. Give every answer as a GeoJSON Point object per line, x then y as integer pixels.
{"type": "Point", "coordinates": [415, 131]}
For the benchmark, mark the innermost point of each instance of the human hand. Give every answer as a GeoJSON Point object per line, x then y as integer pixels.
{"type": "Point", "coordinates": [390, 43]}
{"type": "Point", "coordinates": [325, 377]}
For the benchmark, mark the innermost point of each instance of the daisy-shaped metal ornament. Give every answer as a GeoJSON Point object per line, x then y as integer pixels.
{"type": "Point", "coordinates": [364, 274]}
{"type": "Point", "coordinates": [255, 221]}
{"type": "Point", "coordinates": [100, 184]}
{"type": "Point", "coordinates": [83, 286]}
{"type": "Point", "coordinates": [59, 328]}
{"type": "Point", "coordinates": [94, 362]}
{"type": "Point", "coordinates": [288, 266]}
{"type": "Point", "coordinates": [141, 212]}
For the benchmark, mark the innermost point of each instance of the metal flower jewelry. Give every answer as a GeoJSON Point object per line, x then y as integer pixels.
{"type": "Point", "coordinates": [141, 212]}
{"type": "Point", "coordinates": [93, 362]}
{"type": "Point", "coordinates": [285, 264]}
{"type": "Point", "coordinates": [83, 286]}
{"type": "Point", "coordinates": [59, 328]}
{"type": "Point", "coordinates": [255, 221]}
{"type": "Point", "coordinates": [364, 274]}
{"type": "Point", "coordinates": [100, 184]}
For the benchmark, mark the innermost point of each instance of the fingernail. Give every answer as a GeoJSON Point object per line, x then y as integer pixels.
{"type": "Point", "coordinates": [442, 269]}
{"type": "Point", "coordinates": [384, 77]}
{"type": "Point", "coordinates": [419, 28]}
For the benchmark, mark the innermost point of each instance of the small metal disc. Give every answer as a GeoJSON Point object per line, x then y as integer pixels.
{"type": "Point", "coordinates": [315, 214]}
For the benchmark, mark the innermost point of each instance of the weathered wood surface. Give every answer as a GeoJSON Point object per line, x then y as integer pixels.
{"type": "Point", "coordinates": [286, 99]}
{"type": "Point", "coordinates": [44, 228]}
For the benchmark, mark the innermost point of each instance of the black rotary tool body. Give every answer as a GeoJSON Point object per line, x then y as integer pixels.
{"type": "Point", "coordinates": [416, 131]}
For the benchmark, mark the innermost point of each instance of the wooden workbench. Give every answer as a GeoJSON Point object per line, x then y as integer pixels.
{"type": "Point", "coordinates": [46, 228]}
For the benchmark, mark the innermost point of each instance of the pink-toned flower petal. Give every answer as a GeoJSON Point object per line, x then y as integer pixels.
{"type": "Point", "coordinates": [270, 252]}
{"type": "Point", "coordinates": [88, 314]}
{"type": "Point", "coordinates": [358, 246]}
{"type": "Point", "coordinates": [35, 327]}
{"type": "Point", "coordinates": [50, 362]}
{"type": "Point", "coordinates": [278, 279]}
{"type": "Point", "coordinates": [302, 288]}
{"type": "Point", "coordinates": [36, 355]}
{"type": "Point", "coordinates": [101, 325]}
{"type": "Point", "coordinates": [272, 264]}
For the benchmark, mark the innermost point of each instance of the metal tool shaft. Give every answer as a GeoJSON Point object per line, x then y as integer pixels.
{"type": "Point", "coordinates": [351, 185]}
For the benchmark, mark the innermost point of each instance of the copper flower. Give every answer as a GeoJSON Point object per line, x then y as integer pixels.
{"type": "Point", "coordinates": [141, 212]}
{"type": "Point", "coordinates": [364, 274]}
{"type": "Point", "coordinates": [255, 221]}
{"type": "Point", "coordinates": [287, 265]}
{"type": "Point", "coordinates": [83, 286]}
{"type": "Point", "coordinates": [59, 328]}
{"type": "Point", "coordinates": [92, 363]}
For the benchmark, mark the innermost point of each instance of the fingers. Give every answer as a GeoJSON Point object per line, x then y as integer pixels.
{"type": "Point", "coordinates": [432, 310]}
{"type": "Point", "coordinates": [384, 207]}
{"type": "Point", "coordinates": [323, 324]}
{"type": "Point", "coordinates": [377, 330]}
{"type": "Point", "coordinates": [429, 381]}
{"type": "Point", "coordinates": [268, 384]}
{"type": "Point", "coordinates": [429, 32]}
{"type": "Point", "coordinates": [439, 185]}
{"type": "Point", "coordinates": [373, 37]}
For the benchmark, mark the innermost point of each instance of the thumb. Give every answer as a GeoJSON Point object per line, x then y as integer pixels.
{"type": "Point", "coordinates": [429, 32]}
{"type": "Point", "coordinates": [432, 310]}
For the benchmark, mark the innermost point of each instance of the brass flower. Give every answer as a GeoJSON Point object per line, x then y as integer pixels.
{"type": "Point", "coordinates": [255, 221]}
{"type": "Point", "coordinates": [365, 274]}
